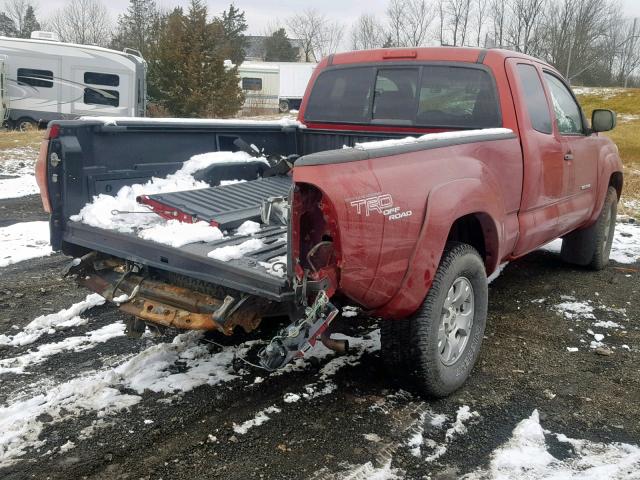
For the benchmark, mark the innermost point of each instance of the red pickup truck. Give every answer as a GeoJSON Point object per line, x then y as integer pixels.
{"type": "Point", "coordinates": [412, 176]}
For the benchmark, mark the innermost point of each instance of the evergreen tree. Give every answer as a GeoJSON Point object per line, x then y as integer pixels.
{"type": "Point", "coordinates": [188, 68]}
{"type": "Point", "coordinates": [7, 26]}
{"type": "Point", "coordinates": [278, 48]}
{"type": "Point", "coordinates": [228, 31]}
{"type": "Point", "coordinates": [30, 23]}
{"type": "Point", "coordinates": [137, 27]}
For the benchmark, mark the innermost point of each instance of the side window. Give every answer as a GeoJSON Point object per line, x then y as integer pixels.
{"type": "Point", "coordinates": [35, 78]}
{"type": "Point", "coordinates": [253, 84]}
{"type": "Point", "coordinates": [395, 94]}
{"type": "Point", "coordinates": [96, 78]}
{"type": "Point", "coordinates": [98, 96]}
{"type": "Point", "coordinates": [535, 99]}
{"type": "Point", "coordinates": [565, 107]}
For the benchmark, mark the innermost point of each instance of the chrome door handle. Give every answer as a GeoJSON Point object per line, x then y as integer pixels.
{"type": "Point", "coordinates": [568, 156]}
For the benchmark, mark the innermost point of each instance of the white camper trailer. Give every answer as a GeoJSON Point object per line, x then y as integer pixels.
{"type": "Point", "coordinates": [4, 96]}
{"type": "Point", "coordinates": [273, 86]}
{"type": "Point", "coordinates": [50, 80]}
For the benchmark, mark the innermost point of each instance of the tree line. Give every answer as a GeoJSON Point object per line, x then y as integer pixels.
{"type": "Point", "coordinates": [590, 41]}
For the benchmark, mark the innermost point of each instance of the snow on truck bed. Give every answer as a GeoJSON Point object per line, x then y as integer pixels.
{"type": "Point", "coordinates": [122, 213]}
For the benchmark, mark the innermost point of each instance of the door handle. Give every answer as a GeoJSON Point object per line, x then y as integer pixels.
{"type": "Point", "coordinates": [568, 156]}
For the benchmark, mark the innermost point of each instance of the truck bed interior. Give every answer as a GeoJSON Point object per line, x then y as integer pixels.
{"type": "Point", "coordinates": [96, 161]}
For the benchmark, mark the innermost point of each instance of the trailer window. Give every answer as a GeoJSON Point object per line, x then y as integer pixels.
{"type": "Point", "coordinates": [98, 96]}
{"type": "Point", "coordinates": [35, 78]}
{"type": "Point", "coordinates": [254, 84]}
{"type": "Point", "coordinates": [106, 79]}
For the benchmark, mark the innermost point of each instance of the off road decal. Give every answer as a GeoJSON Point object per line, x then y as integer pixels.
{"type": "Point", "coordinates": [380, 203]}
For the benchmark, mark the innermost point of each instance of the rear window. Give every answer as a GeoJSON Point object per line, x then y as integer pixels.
{"type": "Point", "coordinates": [426, 96]}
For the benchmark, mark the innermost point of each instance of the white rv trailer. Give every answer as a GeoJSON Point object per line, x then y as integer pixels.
{"type": "Point", "coordinates": [50, 80]}
{"type": "Point", "coordinates": [274, 85]}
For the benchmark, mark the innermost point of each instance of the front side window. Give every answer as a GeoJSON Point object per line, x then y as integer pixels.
{"type": "Point", "coordinates": [565, 107]}
{"type": "Point", "coordinates": [106, 79]}
{"type": "Point", "coordinates": [35, 78]}
{"type": "Point", "coordinates": [99, 96]}
{"type": "Point", "coordinates": [535, 98]}
{"type": "Point", "coordinates": [253, 84]}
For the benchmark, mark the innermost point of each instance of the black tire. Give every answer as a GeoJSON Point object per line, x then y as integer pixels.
{"type": "Point", "coordinates": [26, 124]}
{"type": "Point", "coordinates": [411, 347]}
{"type": "Point", "coordinates": [591, 246]}
{"type": "Point", "coordinates": [283, 106]}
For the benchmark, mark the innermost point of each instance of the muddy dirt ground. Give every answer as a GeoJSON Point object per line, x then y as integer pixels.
{"type": "Point", "coordinates": [524, 365]}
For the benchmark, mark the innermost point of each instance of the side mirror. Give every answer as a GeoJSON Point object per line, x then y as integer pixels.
{"type": "Point", "coordinates": [603, 120]}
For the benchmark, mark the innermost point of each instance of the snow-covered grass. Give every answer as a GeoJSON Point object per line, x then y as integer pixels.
{"type": "Point", "coordinates": [431, 137]}
{"type": "Point", "coordinates": [53, 322]}
{"type": "Point", "coordinates": [526, 456]}
{"type": "Point", "coordinates": [18, 154]}
{"type": "Point", "coordinates": [23, 241]}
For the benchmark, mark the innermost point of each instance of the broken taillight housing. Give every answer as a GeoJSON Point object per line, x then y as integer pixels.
{"type": "Point", "coordinates": [41, 166]}
{"type": "Point", "coordinates": [315, 242]}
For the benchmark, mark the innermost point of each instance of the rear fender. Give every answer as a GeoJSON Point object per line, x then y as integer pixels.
{"type": "Point", "coordinates": [445, 204]}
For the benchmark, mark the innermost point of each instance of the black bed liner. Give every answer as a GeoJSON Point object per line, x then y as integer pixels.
{"type": "Point", "coordinates": [225, 206]}
{"type": "Point", "coordinates": [244, 274]}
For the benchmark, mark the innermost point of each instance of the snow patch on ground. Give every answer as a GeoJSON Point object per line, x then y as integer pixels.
{"type": "Point", "coordinates": [431, 137]}
{"type": "Point", "coordinates": [573, 309]}
{"type": "Point", "coordinates": [526, 457]}
{"type": "Point", "coordinates": [260, 418]}
{"type": "Point", "coordinates": [19, 166]}
{"type": "Point", "coordinates": [53, 322]}
{"type": "Point", "coordinates": [463, 415]}
{"type": "Point", "coordinates": [101, 392]}
{"type": "Point", "coordinates": [624, 249]}
{"type": "Point", "coordinates": [75, 344]}
{"type": "Point", "coordinates": [176, 234]}
{"type": "Point", "coordinates": [23, 241]}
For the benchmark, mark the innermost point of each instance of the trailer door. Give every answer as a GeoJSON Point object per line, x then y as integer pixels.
{"type": "Point", "coordinates": [101, 92]}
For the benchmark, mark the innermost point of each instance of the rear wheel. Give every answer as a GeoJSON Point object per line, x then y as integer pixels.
{"type": "Point", "coordinates": [26, 124]}
{"type": "Point", "coordinates": [591, 246]}
{"type": "Point", "coordinates": [283, 106]}
{"type": "Point", "coordinates": [436, 349]}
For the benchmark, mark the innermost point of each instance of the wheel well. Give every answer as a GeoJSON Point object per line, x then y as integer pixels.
{"type": "Point", "coordinates": [616, 182]}
{"type": "Point", "coordinates": [477, 230]}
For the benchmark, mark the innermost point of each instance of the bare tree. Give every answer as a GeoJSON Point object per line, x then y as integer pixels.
{"type": "Point", "coordinates": [82, 21]}
{"type": "Point", "coordinates": [481, 7]}
{"type": "Point", "coordinates": [457, 19]}
{"type": "Point", "coordinates": [367, 33]}
{"type": "Point", "coordinates": [409, 22]}
{"type": "Point", "coordinates": [526, 16]}
{"type": "Point", "coordinates": [318, 35]}
{"type": "Point", "coordinates": [498, 14]}
{"type": "Point", "coordinates": [16, 11]}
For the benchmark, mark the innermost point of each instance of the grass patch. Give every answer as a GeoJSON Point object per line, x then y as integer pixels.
{"type": "Point", "coordinates": [12, 139]}
{"type": "Point", "coordinates": [626, 103]}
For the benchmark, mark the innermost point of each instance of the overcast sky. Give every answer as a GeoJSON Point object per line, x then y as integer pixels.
{"type": "Point", "coordinates": [261, 13]}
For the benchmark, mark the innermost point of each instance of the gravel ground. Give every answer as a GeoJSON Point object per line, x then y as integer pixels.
{"type": "Point", "coordinates": [354, 420]}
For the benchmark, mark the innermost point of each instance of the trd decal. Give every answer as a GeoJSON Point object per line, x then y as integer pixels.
{"type": "Point", "coordinates": [381, 203]}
